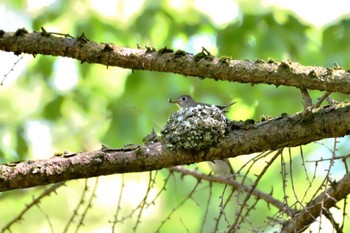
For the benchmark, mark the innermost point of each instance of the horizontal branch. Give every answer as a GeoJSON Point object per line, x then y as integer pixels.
{"type": "Point", "coordinates": [286, 131]}
{"type": "Point", "coordinates": [202, 65]}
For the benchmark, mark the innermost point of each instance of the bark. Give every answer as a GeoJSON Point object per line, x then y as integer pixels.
{"type": "Point", "coordinates": [285, 131]}
{"type": "Point", "coordinates": [202, 65]}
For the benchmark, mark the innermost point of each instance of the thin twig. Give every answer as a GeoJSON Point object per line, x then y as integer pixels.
{"type": "Point", "coordinates": [321, 99]}
{"type": "Point", "coordinates": [2, 82]}
{"type": "Point", "coordinates": [268, 198]}
{"type": "Point", "coordinates": [35, 201]}
{"type": "Point", "coordinates": [306, 98]}
{"type": "Point", "coordinates": [234, 226]}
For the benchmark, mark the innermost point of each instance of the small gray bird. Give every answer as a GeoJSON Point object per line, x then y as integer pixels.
{"type": "Point", "coordinates": [186, 101]}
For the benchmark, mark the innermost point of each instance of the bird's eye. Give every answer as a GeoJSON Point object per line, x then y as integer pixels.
{"type": "Point", "coordinates": [183, 98]}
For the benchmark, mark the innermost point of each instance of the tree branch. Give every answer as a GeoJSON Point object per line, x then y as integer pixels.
{"type": "Point", "coordinates": [166, 60]}
{"type": "Point", "coordinates": [325, 200]}
{"type": "Point", "coordinates": [286, 131]}
{"type": "Point", "coordinates": [234, 183]}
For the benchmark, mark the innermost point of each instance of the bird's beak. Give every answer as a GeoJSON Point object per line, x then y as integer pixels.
{"type": "Point", "coordinates": [173, 101]}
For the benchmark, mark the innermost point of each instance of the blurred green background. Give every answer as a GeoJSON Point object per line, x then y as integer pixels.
{"type": "Point", "coordinates": [51, 104]}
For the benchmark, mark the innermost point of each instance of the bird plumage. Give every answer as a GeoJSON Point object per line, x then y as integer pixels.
{"type": "Point", "coordinates": [186, 101]}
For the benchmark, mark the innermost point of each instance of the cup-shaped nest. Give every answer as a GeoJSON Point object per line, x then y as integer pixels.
{"type": "Point", "coordinates": [195, 128]}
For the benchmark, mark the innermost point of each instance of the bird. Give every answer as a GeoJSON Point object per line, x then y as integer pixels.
{"type": "Point", "coordinates": [186, 101]}
{"type": "Point", "coordinates": [219, 167]}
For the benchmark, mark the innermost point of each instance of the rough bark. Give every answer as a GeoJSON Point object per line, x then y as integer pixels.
{"type": "Point", "coordinates": [202, 65]}
{"type": "Point", "coordinates": [286, 131]}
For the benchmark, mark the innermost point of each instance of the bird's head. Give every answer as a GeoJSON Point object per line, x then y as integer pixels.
{"type": "Point", "coordinates": [184, 101]}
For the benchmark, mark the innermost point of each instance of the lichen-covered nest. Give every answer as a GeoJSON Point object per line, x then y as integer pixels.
{"type": "Point", "coordinates": [195, 128]}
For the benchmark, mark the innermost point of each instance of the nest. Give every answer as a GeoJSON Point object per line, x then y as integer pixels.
{"type": "Point", "coordinates": [195, 128]}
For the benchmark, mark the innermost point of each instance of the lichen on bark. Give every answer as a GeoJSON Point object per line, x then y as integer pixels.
{"type": "Point", "coordinates": [195, 128]}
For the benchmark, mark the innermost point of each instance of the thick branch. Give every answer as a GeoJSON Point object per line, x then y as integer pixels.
{"type": "Point", "coordinates": [165, 60]}
{"type": "Point", "coordinates": [289, 131]}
